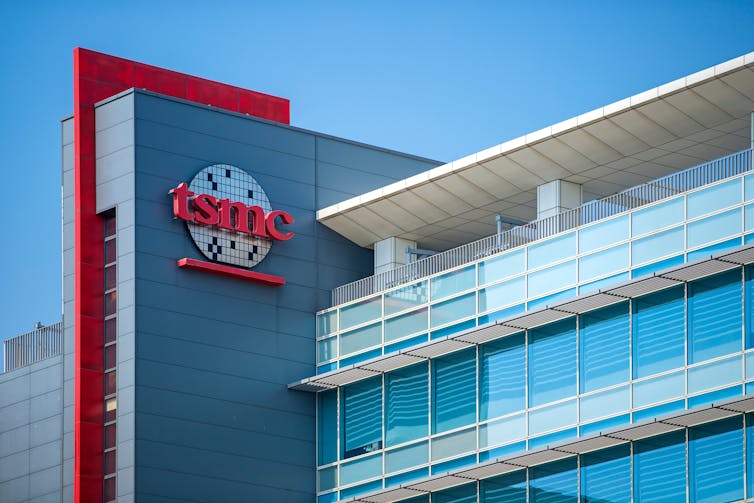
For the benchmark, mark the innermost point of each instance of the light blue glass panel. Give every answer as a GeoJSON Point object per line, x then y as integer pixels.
{"type": "Point", "coordinates": [361, 312]}
{"type": "Point", "coordinates": [706, 251]}
{"type": "Point", "coordinates": [321, 369]}
{"type": "Point", "coordinates": [328, 498]}
{"type": "Point", "coordinates": [603, 283]}
{"type": "Point", "coordinates": [406, 324]}
{"type": "Point", "coordinates": [658, 328]}
{"type": "Point", "coordinates": [361, 489]}
{"type": "Point", "coordinates": [453, 390]}
{"type": "Point", "coordinates": [505, 450]}
{"type": "Point", "coordinates": [749, 187]}
{"type": "Point", "coordinates": [715, 374]}
{"type": "Point", "coordinates": [555, 482]}
{"type": "Point", "coordinates": [454, 444]}
{"type": "Point", "coordinates": [604, 347]}
{"type": "Point", "coordinates": [714, 396]}
{"type": "Point", "coordinates": [604, 262]}
{"type": "Point", "coordinates": [657, 216]}
{"type": "Point", "coordinates": [552, 299]}
{"type": "Point", "coordinates": [508, 488]}
{"type": "Point", "coordinates": [603, 234]}
{"type": "Point", "coordinates": [657, 245]}
{"type": "Point", "coordinates": [659, 410]}
{"type": "Point", "coordinates": [716, 464]}
{"type": "Point", "coordinates": [750, 365]}
{"type": "Point", "coordinates": [606, 475]}
{"type": "Point", "coordinates": [327, 323]}
{"type": "Point", "coordinates": [453, 282]}
{"type": "Point", "coordinates": [327, 349]}
{"type": "Point", "coordinates": [361, 338]}
{"type": "Point", "coordinates": [328, 478]}
{"type": "Point", "coordinates": [552, 438]}
{"type": "Point", "coordinates": [406, 298]}
{"type": "Point", "coordinates": [406, 397]}
{"type": "Point", "coordinates": [501, 314]}
{"type": "Point", "coordinates": [552, 250]}
{"type": "Point", "coordinates": [453, 464]}
{"type": "Point", "coordinates": [361, 357]}
{"type": "Point", "coordinates": [749, 306]}
{"type": "Point", "coordinates": [749, 217]}
{"type": "Point", "coordinates": [552, 418]}
{"type": "Point", "coordinates": [459, 494]}
{"type": "Point", "coordinates": [502, 379]}
{"type": "Point", "coordinates": [508, 264]}
{"type": "Point", "coordinates": [749, 452]}
{"type": "Point", "coordinates": [604, 424]}
{"type": "Point", "coordinates": [361, 419]}
{"type": "Point", "coordinates": [452, 329]}
{"type": "Point", "coordinates": [502, 431]}
{"type": "Point", "coordinates": [713, 228]}
{"type": "Point", "coordinates": [659, 389]}
{"type": "Point", "coordinates": [361, 469]}
{"type": "Point", "coordinates": [407, 457]}
{"type": "Point", "coordinates": [713, 198]}
{"type": "Point", "coordinates": [408, 477]}
{"type": "Point", "coordinates": [605, 403]}
{"type": "Point", "coordinates": [452, 310]}
{"type": "Point", "coordinates": [660, 469]}
{"type": "Point", "coordinates": [502, 294]}
{"type": "Point", "coordinates": [715, 316]}
{"type": "Point", "coordinates": [657, 266]}
{"type": "Point", "coordinates": [405, 343]}
{"type": "Point", "coordinates": [552, 362]}
{"type": "Point", "coordinates": [327, 426]}
{"type": "Point", "coordinates": [553, 278]}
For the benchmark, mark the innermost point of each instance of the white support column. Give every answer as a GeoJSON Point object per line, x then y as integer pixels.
{"type": "Point", "coordinates": [390, 253]}
{"type": "Point", "coordinates": [556, 197]}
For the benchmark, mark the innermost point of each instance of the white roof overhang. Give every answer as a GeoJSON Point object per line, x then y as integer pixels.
{"type": "Point", "coordinates": [677, 125]}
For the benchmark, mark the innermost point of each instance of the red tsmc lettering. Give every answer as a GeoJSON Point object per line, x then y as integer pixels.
{"type": "Point", "coordinates": [205, 209]}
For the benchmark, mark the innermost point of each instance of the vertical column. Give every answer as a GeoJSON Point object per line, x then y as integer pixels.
{"type": "Point", "coordinates": [110, 362]}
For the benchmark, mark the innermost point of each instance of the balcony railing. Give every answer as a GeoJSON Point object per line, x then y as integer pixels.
{"type": "Point", "coordinates": [31, 347]}
{"type": "Point", "coordinates": [592, 211]}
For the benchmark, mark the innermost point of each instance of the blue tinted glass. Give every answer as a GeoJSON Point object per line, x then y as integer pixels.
{"type": "Point", "coordinates": [501, 267]}
{"type": "Point", "coordinates": [360, 469]}
{"type": "Point", "coordinates": [603, 283]}
{"type": "Point", "coordinates": [453, 390]}
{"type": "Point", "coordinates": [362, 417]}
{"type": "Point", "coordinates": [404, 458]}
{"type": "Point", "coordinates": [406, 396]}
{"type": "Point", "coordinates": [605, 403]}
{"type": "Point", "coordinates": [660, 469]}
{"type": "Point", "coordinates": [554, 482]}
{"type": "Point", "coordinates": [657, 266]}
{"type": "Point", "coordinates": [552, 279]}
{"type": "Point", "coordinates": [552, 362]}
{"type": "Point", "coordinates": [453, 282]}
{"type": "Point", "coordinates": [750, 453]}
{"type": "Point", "coordinates": [713, 198]}
{"type": "Point", "coordinates": [508, 488]}
{"type": "Point", "coordinates": [361, 338]}
{"type": "Point", "coordinates": [407, 477]}
{"type": "Point", "coordinates": [552, 250]}
{"type": "Point", "coordinates": [459, 494]}
{"type": "Point", "coordinates": [715, 316]}
{"type": "Point", "coordinates": [552, 299]}
{"type": "Point", "coordinates": [749, 187]}
{"type": "Point", "coordinates": [360, 312]}
{"type": "Point", "coordinates": [327, 425]}
{"type": "Point", "coordinates": [406, 324]}
{"type": "Point", "coordinates": [602, 234]}
{"type": "Point", "coordinates": [713, 228]}
{"type": "Point", "coordinates": [658, 326]}
{"type": "Point", "coordinates": [502, 377]}
{"type": "Point", "coordinates": [604, 347]}
{"type": "Point", "coordinates": [714, 374]}
{"type": "Point", "coordinates": [502, 294]}
{"type": "Point", "coordinates": [604, 262]}
{"type": "Point", "coordinates": [657, 216]}
{"type": "Point", "coordinates": [453, 329]}
{"type": "Point", "coordinates": [657, 245]}
{"type": "Point", "coordinates": [749, 217]}
{"type": "Point", "coordinates": [749, 308]}
{"type": "Point", "coordinates": [406, 297]}
{"type": "Point", "coordinates": [327, 323]}
{"type": "Point", "coordinates": [713, 249]}
{"type": "Point", "coordinates": [327, 349]}
{"type": "Point", "coordinates": [361, 489]}
{"type": "Point", "coordinates": [452, 310]}
{"type": "Point", "coordinates": [551, 418]}
{"type": "Point", "coordinates": [716, 468]}
{"type": "Point", "coordinates": [606, 475]}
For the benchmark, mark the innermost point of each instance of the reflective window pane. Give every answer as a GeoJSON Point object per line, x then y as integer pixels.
{"type": "Point", "coordinates": [605, 403]}
{"type": "Point", "coordinates": [453, 444]}
{"type": "Point", "coordinates": [110, 436]}
{"type": "Point", "coordinates": [604, 345]}
{"type": "Point", "coordinates": [406, 297]}
{"type": "Point", "coordinates": [606, 475]}
{"type": "Point", "coordinates": [111, 303]}
{"type": "Point", "coordinates": [713, 228]}
{"type": "Point", "coordinates": [110, 282]}
{"type": "Point", "coordinates": [110, 251]}
{"type": "Point", "coordinates": [502, 378]}
{"type": "Point", "coordinates": [659, 389]}
{"type": "Point", "coordinates": [459, 494]}
{"type": "Point", "coordinates": [552, 362]}
{"type": "Point", "coordinates": [451, 283]}
{"type": "Point", "coordinates": [361, 338]}
{"type": "Point", "coordinates": [406, 324]}
{"type": "Point", "coordinates": [551, 279]}
{"type": "Point", "coordinates": [508, 488]}
{"type": "Point", "coordinates": [327, 323]}
{"type": "Point", "coordinates": [327, 349]}
{"type": "Point", "coordinates": [715, 472]}
{"type": "Point", "coordinates": [657, 245]}
{"type": "Point", "coordinates": [552, 418]}
{"type": "Point", "coordinates": [552, 250]}
{"type": "Point", "coordinates": [361, 312]}
{"type": "Point", "coordinates": [362, 417]}
{"type": "Point", "coordinates": [502, 266]}
{"type": "Point", "coordinates": [110, 357]}
{"type": "Point", "coordinates": [361, 469]}
{"type": "Point", "coordinates": [660, 469]}
{"type": "Point", "coordinates": [603, 234]}
{"type": "Point", "coordinates": [327, 426]}
{"type": "Point", "coordinates": [658, 327]}
{"type": "Point", "coordinates": [453, 390]}
{"type": "Point", "coordinates": [713, 198]}
{"type": "Point", "coordinates": [604, 262]}
{"type": "Point", "coordinates": [502, 294]}
{"type": "Point", "coordinates": [111, 330]}
{"type": "Point", "coordinates": [110, 383]}
{"type": "Point", "coordinates": [406, 398]}
{"type": "Point", "coordinates": [657, 216]}
{"type": "Point", "coordinates": [715, 320]}
{"type": "Point", "coordinates": [555, 482]}
{"type": "Point", "coordinates": [502, 431]}
{"type": "Point", "coordinates": [111, 409]}
{"type": "Point", "coordinates": [110, 462]}
{"type": "Point", "coordinates": [110, 225]}
{"type": "Point", "coordinates": [109, 489]}
{"type": "Point", "coordinates": [453, 310]}
{"type": "Point", "coordinates": [406, 457]}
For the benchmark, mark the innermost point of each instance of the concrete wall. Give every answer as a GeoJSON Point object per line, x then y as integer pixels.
{"type": "Point", "coordinates": [31, 422]}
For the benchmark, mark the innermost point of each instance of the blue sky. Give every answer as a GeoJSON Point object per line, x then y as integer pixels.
{"type": "Point", "coordinates": [437, 79]}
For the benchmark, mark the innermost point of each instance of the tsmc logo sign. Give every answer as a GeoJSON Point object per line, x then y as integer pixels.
{"type": "Point", "coordinates": [230, 220]}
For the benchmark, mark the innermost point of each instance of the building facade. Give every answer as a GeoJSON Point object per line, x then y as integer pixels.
{"type": "Point", "coordinates": [256, 312]}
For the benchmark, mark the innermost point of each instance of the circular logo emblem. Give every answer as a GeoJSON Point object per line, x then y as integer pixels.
{"type": "Point", "coordinates": [224, 181]}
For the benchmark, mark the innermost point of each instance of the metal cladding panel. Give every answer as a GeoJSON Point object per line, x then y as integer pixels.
{"type": "Point", "coordinates": [214, 417]}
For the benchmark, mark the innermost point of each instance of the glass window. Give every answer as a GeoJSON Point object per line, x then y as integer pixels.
{"type": "Point", "coordinates": [749, 217]}
{"type": "Point", "coordinates": [657, 245]}
{"type": "Point", "coordinates": [715, 316]}
{"type": "Point", "coordinates": [716, 468]}
{"type": "Point", "coordinates": [604, 347]}
{"type": "Point", "coordinates": [327, 349]}
{"type": "Point", "coordinates": [749, 307]}
{"type": "Point", "coordinates": [713, 228]}
{"type": "Point", "coordinates": [502, 379]}
{"type": "Point", "coordinates": [406, 297]}
{"type": "Point", "coordinates": [453, 444]}
{"type": "Point", "coordinates": [406, 397]}
{"type": "Point", "coordinates": [111, 303]}
{"type": "Point", "coordinates": [459, 494]}
{"type": "Point", "coordinates": [327, 478]}
{"type": "Point", "coordinates": [555, 482]}
{"type": "Point", "coordinates": [109, 489]}
{"type": "Point", "coordinates": [453, 310]}
{"type": "Point", "coordinates": [502, 431]}
{"type": "Point", "coordinates": [327, 323]}
{"type": "Point", "coordinates": [362, 417]}
{"type": "Point", "coordinates": [603, 234]}
{"type": "Point", "coordinates": [750, 453]}
{"type": "Point", "coordinates": [110, 435]}
{"type": "Point", "coordinates": [110, 282]}
{"type": "Point", "coordinates": [713, 198]}
{"type": "Point", "coordinates": [110, 357]}
{"type": "Point", "coordinates": [327, 426]}
{"type": "Point", "coordinates": [508, 488]}
{"type": "Point", "coordinates": [502, 294]}
{"type": "Point", "coordinates": [552, 250]}
{"type": "Point", "coordinates": [110, 383]}
{"type": "Point", "coordinates": [749, 187]}
{"type": "Point", "coordinates": [361, 312]}
{"type": "Point", "coordinates": [502, 266]}
{"type": "Point", "coordinates": [552, 362]}
{"type": "Point", "coordinates": [361, 338]}
{"type": "Point", "coordinates": [660, 469]}
{"type": "Point", "coordinates": [658, 332]}
{"type": "Point", "coordinates": [110, 462]}
{"type": "Point", "coordinates": [109, 251]}
{"type": "Point", "coordinates": [407, 457]}
{"type": "Point", "coordinates": [715, 374]}
{"type": "Point", "coordinates": [361, 469]}
{"type": "Point", "coordinates": [111, 327]}
{"type": "Point", "coordinates": [453, 390]}
{"type": "Point", "coordinates": [659, 389]}
{"type": "Point", "coordinates": [406, 324]}
{"type": "Point", "coordinates": [452, 283]}
{"type": "Point", "coordinates": [604, 262]}
{"type": "Point", "coordinates": [605, 403]}
{"type": "Point", "coordinates": [657, 216]}
{"type": "Point", "coordinates": [552, 418]}
{"type": "Point", "coordinates": [606, 475]}
{"type": "Point", "coordinates": [551, 279]}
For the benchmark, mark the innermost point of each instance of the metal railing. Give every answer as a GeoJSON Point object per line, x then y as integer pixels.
{"type": "Point", "coordinates": [592, 211]}
{"type": "Point", "coordinates": [31, 347]}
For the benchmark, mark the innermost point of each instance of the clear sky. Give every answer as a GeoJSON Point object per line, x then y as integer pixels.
{"type": "Point", "coordinates": [434, 78]}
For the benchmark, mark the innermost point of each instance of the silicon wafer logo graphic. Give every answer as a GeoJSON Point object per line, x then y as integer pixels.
{"type": "Point", "coordinates": [229, 215]}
